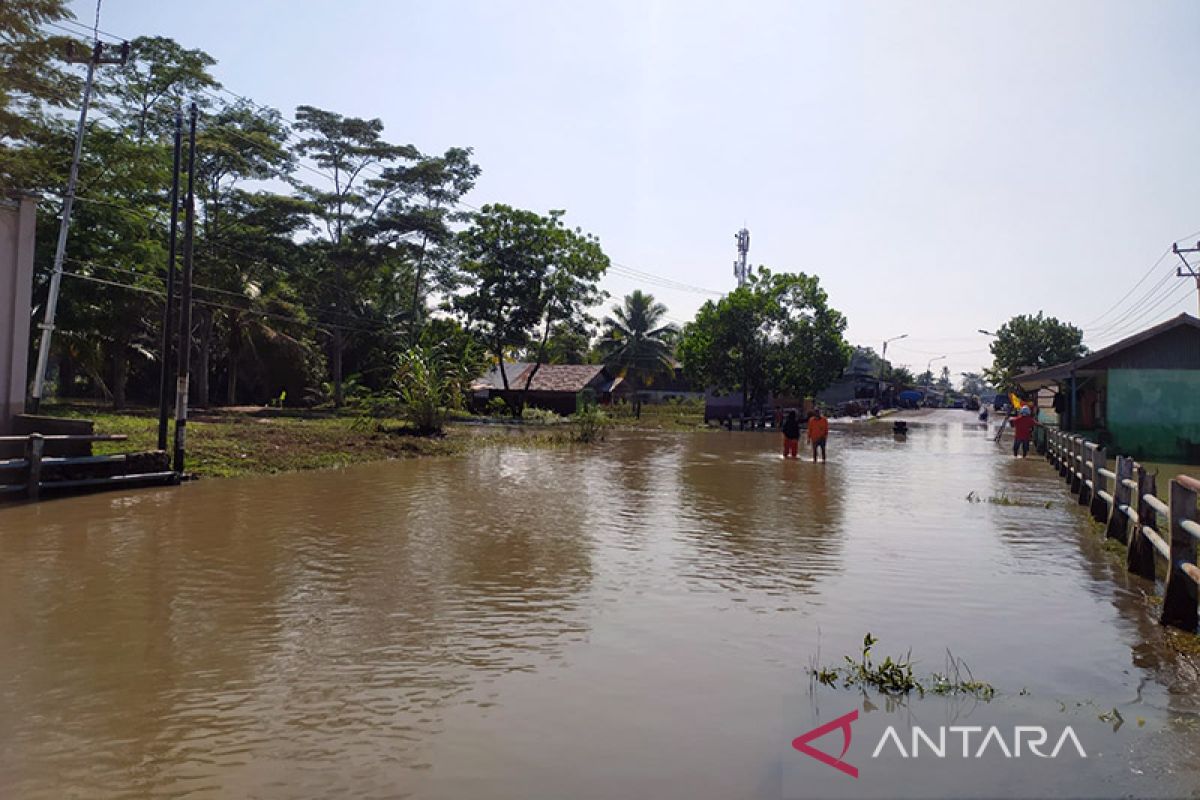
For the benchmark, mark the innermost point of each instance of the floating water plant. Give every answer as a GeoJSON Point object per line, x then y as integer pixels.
{"type": "Point", "coordinates": [896, 676]}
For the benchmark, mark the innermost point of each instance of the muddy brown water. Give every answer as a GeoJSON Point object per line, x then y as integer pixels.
{"type": "Point", "coordinates": [630, 620]}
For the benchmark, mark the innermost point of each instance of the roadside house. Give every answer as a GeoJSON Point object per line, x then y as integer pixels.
{"type": "Point", "coordinates": [555, 387]}
{"type": "Point", "coordinates": [1140, 396]}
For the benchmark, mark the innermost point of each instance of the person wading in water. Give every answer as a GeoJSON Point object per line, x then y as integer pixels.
{"type": "Point", "coordinates": [818, 432]}
{"type": "Point", "coordinates": [1023, 426]}
{"type": "Point", "coordinates": [791, 435]}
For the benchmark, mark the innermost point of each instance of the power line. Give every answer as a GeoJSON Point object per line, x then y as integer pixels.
{"type": "Point", "coordinates": [1141, 280]}
{"type": "Point", "coordinates": [94, 30]}
{"type": "Point", "coordinates": [1174, 297]}
{"type": "Point", "coordinates": [213, 304]}
{"type": "Point", "coordinates": [1139, 304]}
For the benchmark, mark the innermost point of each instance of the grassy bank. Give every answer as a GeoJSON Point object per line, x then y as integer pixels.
{"type": "Point", "coordinates": [227, 444]}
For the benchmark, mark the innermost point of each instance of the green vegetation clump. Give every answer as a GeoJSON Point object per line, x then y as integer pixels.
{"type": "Point", "coordinates": [896, 676]}
{"type": "Point", "coordinates": [1003, 499]}
{"type": "Point", "coordinates": [590, 423]}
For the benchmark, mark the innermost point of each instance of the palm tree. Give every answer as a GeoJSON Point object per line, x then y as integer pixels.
{"type": "Point", "coordinates": [635, 343]}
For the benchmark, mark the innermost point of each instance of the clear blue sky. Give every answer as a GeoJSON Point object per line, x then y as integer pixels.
{"type": "Point", "coordinates": [941, 165]}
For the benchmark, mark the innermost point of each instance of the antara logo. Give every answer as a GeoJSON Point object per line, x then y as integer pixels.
{"type": "Point", "coordinates": [1024, 739]}
{"type": "Point", "coordinates": [843, 722]}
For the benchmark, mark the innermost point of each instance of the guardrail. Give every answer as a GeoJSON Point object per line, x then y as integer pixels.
{"type": "Point", "coordinates": [1126, 500]}
{"type": "Point", "coordinates": [24, 476]}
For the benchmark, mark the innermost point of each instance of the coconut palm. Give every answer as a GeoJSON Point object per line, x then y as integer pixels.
{"type": "Point", "coordinates": [635, 343]}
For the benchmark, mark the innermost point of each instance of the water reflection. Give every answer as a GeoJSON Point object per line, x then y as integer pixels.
{"type": "Point", "coordinates": [755, 521]}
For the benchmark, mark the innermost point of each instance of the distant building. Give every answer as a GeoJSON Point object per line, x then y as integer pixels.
{"type": "Point", "coordinates": [667, 386]}
{"type": "Point", "coordinates": [859, 381]}
{"type": "Point", "coordinates": [1140, 396]}
{"type": "Point", "coordinates": [555, 387]}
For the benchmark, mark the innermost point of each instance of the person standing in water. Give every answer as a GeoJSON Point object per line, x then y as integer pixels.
{"type": "Point", "coordinates": [818, 432]}
{"type": "Point", "coordinates": [791, 435]}
{"type": "Point", "coordinates": [1023, 426]}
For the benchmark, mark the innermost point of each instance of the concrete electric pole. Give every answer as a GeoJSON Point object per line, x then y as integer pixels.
{"type": "Point", "coordinates": [1187, 270]}
{"type": "Point", "coordinates": [96, 56]}
{"type": "Point", "coordinates": [740, 270]}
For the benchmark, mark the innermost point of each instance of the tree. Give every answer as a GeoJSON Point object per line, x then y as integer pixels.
{"type": "Point", "coordinates": [636, 342]}
{"type": "Point", "coordinates": [417, 220]}
{"type": "Point", "coordinates": [944, 384]}
{"type": "Point", "coordinates": [524, 275]}
{"type": "Point", "coordinates": [897, 374]}
{"type": "Point", "coordinates": [568, 344]}
{"type": "Point", "coordinates": [1032, 341]}
{"type": "Point", "coordinates": [30, 80]}
{"type": "Point", "coordinates": [431, 385]}
{"type": "Point", "coordinates": [777, 334]}
{"type": "Point", "coordinates": [348, 148]}
{"type": "Point", "coordinates": [973, 383]}
{"type": "Point", "coordinates": [159, 77]}
{"type": "Point", "coordinates": [925, 378]}
{"type": "Point", "coordinates": [239, 143]}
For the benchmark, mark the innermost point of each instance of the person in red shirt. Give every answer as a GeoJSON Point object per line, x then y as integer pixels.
{"type": "Point", "coordinates": [1023, 426]}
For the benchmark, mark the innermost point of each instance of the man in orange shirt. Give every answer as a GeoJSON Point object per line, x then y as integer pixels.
{"type": "Point", "coordinates": [818, 432]}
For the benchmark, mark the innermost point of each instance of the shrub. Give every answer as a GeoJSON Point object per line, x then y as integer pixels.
{"type": "Point", "coordinates": [590, 423]}
{"type": "Point", "coordinates": [540, 415]}
{"type": "Point", "coordinates": [430, 386]}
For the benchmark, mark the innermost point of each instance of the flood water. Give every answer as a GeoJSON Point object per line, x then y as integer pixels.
{"type": "Point", "coordinates": [631, 620]}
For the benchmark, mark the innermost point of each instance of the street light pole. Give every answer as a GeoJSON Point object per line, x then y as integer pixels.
{"type": "Point", "coordinates": [929, 367]}
{"type": "Point", "coordinates": [883, 363]}
{"type": "Point", "coordinates": [885, 344]}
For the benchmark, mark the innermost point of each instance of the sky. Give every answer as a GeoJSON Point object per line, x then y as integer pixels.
{"type": "Point", "coordinates": [942, 166]}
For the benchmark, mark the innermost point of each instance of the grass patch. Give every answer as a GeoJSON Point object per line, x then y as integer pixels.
{"type": "Point", "coordinates": [231, 444]}
{"type": "Point", "coordinates": [660, 416]}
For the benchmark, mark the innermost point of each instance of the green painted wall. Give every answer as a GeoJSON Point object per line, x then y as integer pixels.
{"type": "Point", "coordinates": [1155, 413]}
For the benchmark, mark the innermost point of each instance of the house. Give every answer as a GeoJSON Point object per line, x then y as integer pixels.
{"type": "Point", "coordinates": [1140, 396]}
{"type": "Point", "coordinates": [667, 386]}
{"type": "Point", "coordinates": [555, 387]}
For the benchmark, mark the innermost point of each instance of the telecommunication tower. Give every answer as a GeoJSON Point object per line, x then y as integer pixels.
{"type": "Point", "coordinates": [740, 270]}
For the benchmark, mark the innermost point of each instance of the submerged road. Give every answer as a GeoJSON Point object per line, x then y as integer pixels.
{"type": "Point", "coordinates": [635, 619]}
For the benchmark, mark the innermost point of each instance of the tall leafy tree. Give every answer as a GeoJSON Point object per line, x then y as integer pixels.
{"type": "Point", "coordinates": [32, 79]}
{"type": "Point", "coordinates": [776, 334]}
{"type": "Point", "coordinates": [524, 275]}
{"type": "Point", "coordinates": [239, 146]}
{"type": "Point", "coordinates": [1032, 341]}
{"type": "Point", "coordinates": [160, 76]}
{"type": "Point", "coordinates": [417, 221]}
{"type": "Point", "coordinates": [637, 341]}
{"type": "Point", "coordinates": [973, 383]}
{"type": "Point", "coordinates": [365, 172]}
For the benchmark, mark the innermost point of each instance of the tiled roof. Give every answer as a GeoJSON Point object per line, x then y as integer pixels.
{"type": "Point", "coordinates": [558, 377]}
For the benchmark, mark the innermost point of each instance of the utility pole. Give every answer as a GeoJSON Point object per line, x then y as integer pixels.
{"type": "Point", "coordinates": [740, 270]}
{"type": "Point", "coordinates": [168, 306]}
{"type": "Point", "coordinates": [185, 301]}
{"type": "Point", "coordinates": [1187, 270]}
{"type": "Point", "coordinates": [96, 56]}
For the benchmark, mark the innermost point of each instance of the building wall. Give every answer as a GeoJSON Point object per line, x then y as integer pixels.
{"type": "Point", "coordinates": [16, 282]}
{"type": "Point", "coordinates": [1155, 413]}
